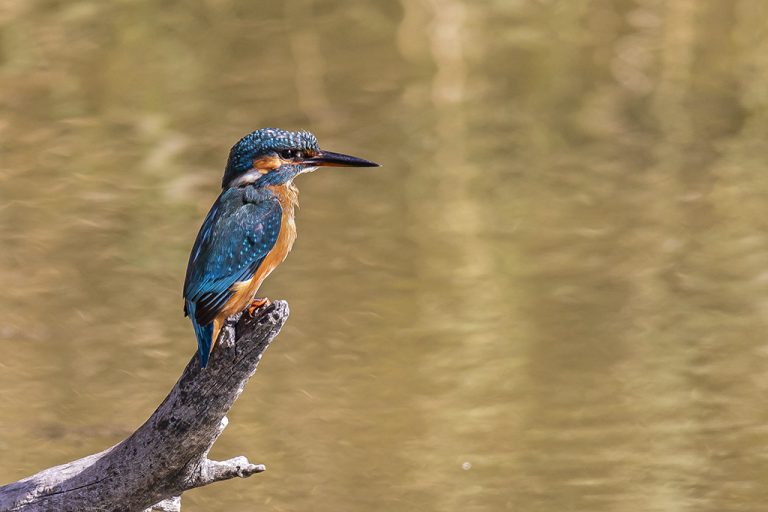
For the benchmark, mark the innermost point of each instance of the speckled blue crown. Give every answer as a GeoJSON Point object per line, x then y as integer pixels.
{"type": "Point", "coordinates": [266, 140]}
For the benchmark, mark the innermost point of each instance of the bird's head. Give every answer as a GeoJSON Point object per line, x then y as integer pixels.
{"type": "Point", "coordinates": [271, 156]}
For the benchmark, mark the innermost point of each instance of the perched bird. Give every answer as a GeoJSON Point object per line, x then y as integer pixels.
{"type": "Point", "coordinates": [250, 228]}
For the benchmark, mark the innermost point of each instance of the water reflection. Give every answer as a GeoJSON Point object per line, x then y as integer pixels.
{"type": "Point", "coordinates": [556, 278]}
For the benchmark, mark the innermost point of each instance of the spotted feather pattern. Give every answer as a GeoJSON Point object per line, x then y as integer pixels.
{"type": "Point", "coordinates": [264, 141]}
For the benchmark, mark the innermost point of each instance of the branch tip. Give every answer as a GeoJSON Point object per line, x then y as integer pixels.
{"type": "Point", "coordinates": [215, 471]}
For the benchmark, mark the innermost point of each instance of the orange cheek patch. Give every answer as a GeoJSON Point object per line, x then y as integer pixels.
{"type": "Point", "coordinates": [266, 164]}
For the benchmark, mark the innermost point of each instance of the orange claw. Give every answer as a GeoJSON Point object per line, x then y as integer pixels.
{"type": "Point", "coordinates": [256, 304]}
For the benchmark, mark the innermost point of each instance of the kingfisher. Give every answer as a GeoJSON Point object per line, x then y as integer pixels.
{"type": "Point", "coordinates": [250, 229]}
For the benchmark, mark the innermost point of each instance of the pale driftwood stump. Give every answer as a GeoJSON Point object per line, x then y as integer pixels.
{"type": "Point", "coordinates": [168, 454]}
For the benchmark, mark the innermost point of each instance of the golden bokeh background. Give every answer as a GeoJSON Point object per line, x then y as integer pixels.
{"type": "Point", "coordinates": [553, 296]}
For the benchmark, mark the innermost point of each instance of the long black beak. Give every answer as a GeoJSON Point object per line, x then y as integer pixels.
{"type": "Point", "coordinates": [330, 159]}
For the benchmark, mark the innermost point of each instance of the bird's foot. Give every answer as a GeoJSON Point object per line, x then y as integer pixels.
{"type": "Point", "coordinates": [257, 304]}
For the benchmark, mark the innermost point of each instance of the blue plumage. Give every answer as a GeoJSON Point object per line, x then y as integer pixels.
{"type": "Point", "coordinates": [203, 333]}
{"type": "Point", "coordinates": [244, 223]}
{"type": "Point", "coordinates": [239, 231]}
{"type": "Point", "coordinates": [265, 141]}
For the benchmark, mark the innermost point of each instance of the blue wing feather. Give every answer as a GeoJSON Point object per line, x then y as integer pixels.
{"type": "Point", "coordinates": [238, 232]}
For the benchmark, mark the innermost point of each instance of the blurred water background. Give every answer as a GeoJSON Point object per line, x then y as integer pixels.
{"type": "Point", "coordinates": [552, 297]}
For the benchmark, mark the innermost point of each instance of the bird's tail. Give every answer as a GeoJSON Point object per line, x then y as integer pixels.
{"type": "Point", "coordinates": [204, 334]}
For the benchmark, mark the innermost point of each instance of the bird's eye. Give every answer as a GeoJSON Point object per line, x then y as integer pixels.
{"type": "Point", "coordinates": [290, 154]}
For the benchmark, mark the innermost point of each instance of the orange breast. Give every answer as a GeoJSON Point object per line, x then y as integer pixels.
{"type": "Point", "coordinates": [245, 291]}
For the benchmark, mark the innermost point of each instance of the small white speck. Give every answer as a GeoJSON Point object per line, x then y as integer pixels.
{"type": "Point", "coordinates": [466, 466]}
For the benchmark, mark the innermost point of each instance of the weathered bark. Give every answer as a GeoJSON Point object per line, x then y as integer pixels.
{"type": "Point", "coordinates": [168, 454]}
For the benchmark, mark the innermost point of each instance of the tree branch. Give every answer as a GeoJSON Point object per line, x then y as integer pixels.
{"type": "Point", "coordinates": [168, 454]}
